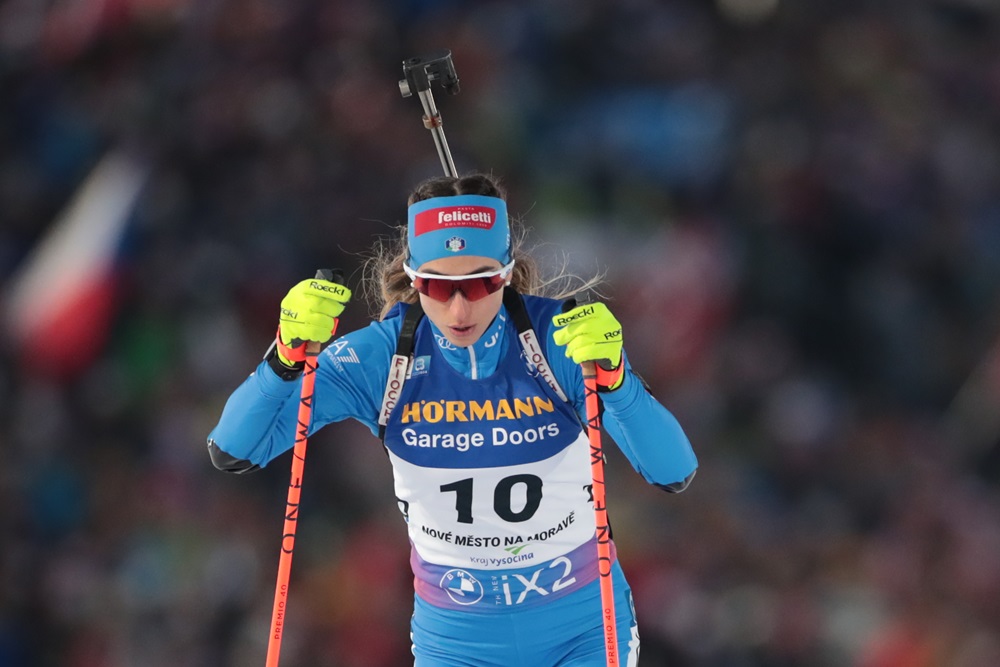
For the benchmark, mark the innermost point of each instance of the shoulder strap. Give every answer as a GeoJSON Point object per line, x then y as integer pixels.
{"type": "Point", "coordinates": [529, 340]}
{"type": "Point", "coordinates": [515, 307]}
{"type": "Point", "coordinates": [399, 366]}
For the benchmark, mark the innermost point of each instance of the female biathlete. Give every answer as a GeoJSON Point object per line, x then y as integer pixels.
{"type": "Point", "coordinates": [472, 381]}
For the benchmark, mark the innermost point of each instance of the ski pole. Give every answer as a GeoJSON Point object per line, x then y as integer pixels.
{"type": "Point", "coordinates": [280, 609]}
{"type": "Point", "coordinates": [603, 531]}
{"type": "Point", "coordinates": [602, 527]}
{"type": "Point", "coordinates": [419, 73]}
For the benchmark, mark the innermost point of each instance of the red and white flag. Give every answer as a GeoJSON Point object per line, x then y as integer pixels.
{"type": "Point", "coordinates": [60, 303]}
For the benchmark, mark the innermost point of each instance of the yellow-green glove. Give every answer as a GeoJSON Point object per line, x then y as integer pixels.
{"type": "Point", "coordinates": [591, 333]}
{"type": "Point", "coordinates": [308, 313]}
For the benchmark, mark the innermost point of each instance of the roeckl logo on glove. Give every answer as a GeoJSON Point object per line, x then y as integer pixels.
{"type": "Point", "coordinates": [612, 334]}
{"type": "Point", "coordinates": [563, 321]}
{"type": "Point", "coordinates": [290, 313]}
{"type": "Point", "coordinates": [334, 289]}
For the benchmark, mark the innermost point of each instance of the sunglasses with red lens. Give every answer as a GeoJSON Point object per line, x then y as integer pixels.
{"type": "Point", "coordinates": [475, 286]}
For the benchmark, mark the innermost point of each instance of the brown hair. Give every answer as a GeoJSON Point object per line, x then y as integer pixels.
{"type": "Point", "coordinates": [385, 283]}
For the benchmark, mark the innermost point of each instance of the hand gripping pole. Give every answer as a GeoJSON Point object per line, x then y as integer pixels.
{"type": "Point", "coordinates": [280, 609]}
{"type": "Point", "coordinates": [419, 73]}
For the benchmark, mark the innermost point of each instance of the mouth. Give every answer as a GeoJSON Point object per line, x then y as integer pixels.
{"type": "Point", "coordinates": [462, 331]}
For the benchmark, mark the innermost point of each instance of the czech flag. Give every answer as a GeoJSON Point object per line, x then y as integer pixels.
{"type": "Point", "coordinates": [61, 301]}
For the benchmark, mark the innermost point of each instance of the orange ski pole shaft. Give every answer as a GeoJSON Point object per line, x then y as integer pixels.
{"type": "Point", "coordinates": [280, 609]}
{"type": "Point", "coordinates": [600, 513]}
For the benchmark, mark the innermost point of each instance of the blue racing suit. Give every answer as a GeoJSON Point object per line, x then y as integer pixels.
{"type": "Point", "coordinates": [492, 473]}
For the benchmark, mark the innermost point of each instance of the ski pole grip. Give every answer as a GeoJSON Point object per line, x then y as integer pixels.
{"type": "Point", "coordinates": [334, 276]}
{"type": "Point", "coordinates": [588, 368]}
{"type": "Point", "coordinates": [580, 299]}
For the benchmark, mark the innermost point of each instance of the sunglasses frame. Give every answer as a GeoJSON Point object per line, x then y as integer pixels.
{"type": "Point", "coordinates": [503, 272]}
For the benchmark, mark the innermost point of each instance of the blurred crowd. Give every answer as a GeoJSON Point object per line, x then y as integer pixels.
{"type": "Point", "coordinates": [797, 208]}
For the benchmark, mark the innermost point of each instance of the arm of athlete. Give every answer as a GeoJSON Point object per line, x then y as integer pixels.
{"type": "Point", "coordinates": [646, 432]}
{"type": "Point", "coordinates": [259, 419]}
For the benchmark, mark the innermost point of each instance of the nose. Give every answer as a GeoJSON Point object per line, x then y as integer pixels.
{"type": "Point", "coordinates": [459, 306]}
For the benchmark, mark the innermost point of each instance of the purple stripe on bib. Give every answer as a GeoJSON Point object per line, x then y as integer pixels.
{"type": "Point", "coordinates": [473, 589]}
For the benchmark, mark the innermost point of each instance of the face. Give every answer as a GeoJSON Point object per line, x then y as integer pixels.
{"type": "Point", "coordinates": [462, 321]}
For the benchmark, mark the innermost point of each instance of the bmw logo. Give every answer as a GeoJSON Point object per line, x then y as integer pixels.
{"type": "Point", "coordinates": [462, 587]}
